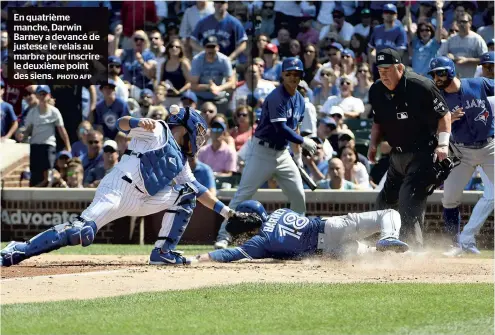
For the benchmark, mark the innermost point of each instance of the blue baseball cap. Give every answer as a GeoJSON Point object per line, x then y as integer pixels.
{"type": "Point", "coordinates": [43, 88]}
{"type": "Point", "coordinates": [487, 57]}
{"type": "Point", "coordinates": [189, 95]}
{"type": "Point", "coordinates": [145, 92]}
{"type": "Point", "coordinates": [390, 8]}
{"type": "Point", "coordinates": [337, 46]}
{"type": "Point", "coordinates": [348, 52]}
{"type": "Point", "coordinates": [65, 153]}
{"type": "Point", "coordinates": [114, 60]}
{"type": "Point", "coordinates": [292, 64]}
{"type": "Point", "coordinates": [490, 42]}
{"type": "Point", "coordinates": [329, 121]}
{"type": "Point", "coordinates": [110, 82]}
{"type": "Point", "coordinates": [218, 127]}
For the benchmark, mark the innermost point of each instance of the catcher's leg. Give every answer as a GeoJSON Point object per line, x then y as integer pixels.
{"type": "Point", "coordinates": [79, 232]}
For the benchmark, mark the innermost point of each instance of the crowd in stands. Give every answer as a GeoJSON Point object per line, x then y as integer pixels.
{"type": "Point", "coordinates": [223, 58]}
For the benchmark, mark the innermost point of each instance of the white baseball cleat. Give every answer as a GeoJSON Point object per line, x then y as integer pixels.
{"type": "Point", "coordinates": [222, 244]}
{"type": "Point", "coordinates": [454, 252]}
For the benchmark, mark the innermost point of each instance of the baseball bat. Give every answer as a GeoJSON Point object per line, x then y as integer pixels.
{"type": "Point", "coordinates": [307, 179]}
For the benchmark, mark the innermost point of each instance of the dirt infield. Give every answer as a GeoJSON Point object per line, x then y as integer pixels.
{"type": "Point", "coordinates": [57, 277]}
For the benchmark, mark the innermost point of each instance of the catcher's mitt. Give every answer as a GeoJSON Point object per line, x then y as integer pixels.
{"type": "Point", "coordinates": [241, 223]}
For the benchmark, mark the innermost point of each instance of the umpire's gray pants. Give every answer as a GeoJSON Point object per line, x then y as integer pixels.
{"type": "Point", "coordinates": [261, 164]}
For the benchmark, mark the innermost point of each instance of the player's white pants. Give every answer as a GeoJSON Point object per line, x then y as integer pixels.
{"type": "Point", "coordinates": [341, 232]}
{"type": "Point", "coordinates": [460, 175]}
{"type": "Point", "coordinates": [481, 211]}
{"type": "Point", "coordinates": [116, 198]}
{"type": "Point", "coordinates": [261, 164]}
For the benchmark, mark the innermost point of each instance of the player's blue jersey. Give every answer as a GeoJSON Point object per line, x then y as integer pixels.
{"type": "Point", "coordinates": [286, 234]}
{"type": "Point", "coordinates": [395, 38]}
{"type": "Point", "coordinates": [279, 106]}
{"type": "Point", "coordinates": [477, 122]}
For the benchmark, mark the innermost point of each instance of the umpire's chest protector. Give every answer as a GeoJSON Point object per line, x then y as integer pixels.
{"type": "Point", "coordinates": [160, 166]}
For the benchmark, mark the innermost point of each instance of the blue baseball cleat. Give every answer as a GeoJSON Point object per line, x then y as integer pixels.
{"type": "Point", "coordinates": [13, 254]}
{"type": "Point", "coordinates": [158, 257]}
{"type": "Point", "coordinates": [391, 244]}
{"type": "Point", "coordinates": [471, 248]}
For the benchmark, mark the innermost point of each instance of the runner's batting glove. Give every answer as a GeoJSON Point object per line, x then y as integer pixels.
{"type": "Point", "coordinates": [309, 145]}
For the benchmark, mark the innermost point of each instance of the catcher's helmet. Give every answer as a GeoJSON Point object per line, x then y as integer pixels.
{"type": "Point", "coordinates": [253, 206]}
{"type": "Point", "coordinates": [292, 64]}
{"type": "Point", "coordinates": [442, 63]}
{"type": "Point", "coordinates": [194, 123]}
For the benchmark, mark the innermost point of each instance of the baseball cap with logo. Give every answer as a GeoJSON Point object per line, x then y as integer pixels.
{"type": "Point", "coordinates": [210, 40]}
{"type": "Point", "coordinates": [110, 146]}
{"type": "Point", "coordinates": [292, 64]}
{"type": "Point", "coordinates": [189, 95]}
{"type": "Point", "coordinates": [387, 57]}
{"type": "Point", "coordinates": [487, 57]}
{"type": "Point", "coordinates": [390, 8]}
{"type": "Point", "coordinates": [114, 60]}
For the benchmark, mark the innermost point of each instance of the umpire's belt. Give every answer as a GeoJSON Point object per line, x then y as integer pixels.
{"type": "Point", "coordinates": [414, 147]}
{"type": "Point", "coordinates": [133, 153]}
{"type": "Point", "coordinates": [267, 144]}
{"type": "Point", "coordinates": [476, 145]}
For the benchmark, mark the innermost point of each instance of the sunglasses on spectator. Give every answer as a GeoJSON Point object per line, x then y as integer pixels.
{"type": "Point", "coordinates": [109, 150]}
{"type": "Point", "coordinates": [116, 66]}
{"type": "Point", "coordinates": [424, 30]}
{"type": "Point", "coordinates": [209, 111]}
{"type": "Point", "coordinates": [326, 74]}
{"type": "Point", "coordinates": [363, 71]}
{"type": "Point", "coordinates": [464, 21]}
{"type": "Point", "coordinates": [453, 31]}
{"type": "Point", "coordinates": [260, 65]}
{"type": "Point", "coordinates": [345, 82]}
{"type": "Point", "coordinates": [333, 54]}
{"type": "Point", "coordinates": [268, 7]}
{"type": "Point", "coordinates": [27, 93]}
{"type": "Point", "coordinates": [242, 114]}
{"type": "Point", "coordinates": [337, 16]}
{"type": "Point", "coordinates": [210, 46]}
{"type": "Point", "coordinates": [156, 116]}
{"type": "Point", "coordinates": [137, 39]}
{"type": "Point", "coordinates": [93, 142]}
{"type": "Point", "coordinates": [175, 46]}
{"type": "Point", "coordinates": [217, 130]}
{"type": "Point", "coordinates": [42, 94]}
{"type": "Point", "coordinates": [440, 73]}
{"type": "Point", "coordinates": [155, 38]}
{"type": "Point", "coordinates": [388, 12]}
{"type": "Point", "coordinates": [346, 56]}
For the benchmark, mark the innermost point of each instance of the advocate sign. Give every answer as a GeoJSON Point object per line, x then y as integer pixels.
{"type": "Point", "coordinates": [19, 217]}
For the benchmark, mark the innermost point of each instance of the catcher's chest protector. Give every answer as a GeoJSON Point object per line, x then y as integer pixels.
{"type": "Point", "coordinates": [160, 166]}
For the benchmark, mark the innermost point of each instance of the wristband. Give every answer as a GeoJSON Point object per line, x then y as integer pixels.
{"type": "Point", "coordinates": [221, 209]}
{"type": "Point", "coordinates": [133, 122]}
{"type": "Point", "coordinates": [443, 139]}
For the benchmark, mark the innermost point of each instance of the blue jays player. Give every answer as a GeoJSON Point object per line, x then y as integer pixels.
{"type": "Point", "coordinates": [139, 185]}
{"type": "Point", "coordinates": [472, 135]}
{"type": "Point", "coordinates": [282, 113]}
{"type": "Point", "coordinates": [286, 234]}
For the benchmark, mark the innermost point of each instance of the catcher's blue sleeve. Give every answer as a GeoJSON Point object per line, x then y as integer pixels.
{"type": "Point", "coordinates": [251, 249]}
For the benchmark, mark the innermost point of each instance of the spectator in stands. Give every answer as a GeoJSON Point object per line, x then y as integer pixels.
{"type": "Point", "coordinates": [160, 95]}
{"type": "Point", "coordinates": [221, 157]}
{"type": "Point", "coordinates": [359, 46]}
{"type": "Point", "coordinates": [109, 110]}
{"type": "Point", "coordinates": [80, 147]}
{"type": "Point", "coordinates": [4, 44]}
{"type": "Point", "coordinates": [346, 139]}
{"type": "Point", "coordinates": [75, 175]}
{"type": "Point", "coordinates": [41, 123]}
{"type": "Point", "coordinates": [317, 162]}
{"type": "Point", "coordinates": [227, 30]}
{"type": "Point", "coordinates": [63, 158]}
{"type": "Point", "coordinates": [308, 126]}
{"type": "Point", "coordinates": [192, 16]}
{"type": "Point", "coordinates": [139, 64]}
{"type": "Point", "coordinates": [487, 64]}
{"type": "Point", "coordinates": [110, 159]}
{"type": "Point", "coordinates": [327, 87]}
{"type": "Point", "coordinates": [326, 127]}
{"type": "Point", "coordinates": [273, 67]}
{"type": "Point", "coordinates": [267, 24]}
{"type": "Point", "coordinates": [353, 107]}
{"type": "Point", "coordinates": [295, 48]}
{"type": "Point", "coordinates": [361, 90]}
{"type": "Point", "coordinates": [244, 129]}
{"type": "Point", "coordinates": [8, 119]}
{"type": "Point", "coordinates": [157, 47]}
{"type": "Point", "coordinates": [189, 99]}
{"type": "Point", "coordinates": [30, 101]}
{"type": "Point", "coordinates": [348, 66]}
{"type": "Point", "coordinates": [465, 48]}
{"type": "Point", "coordinates": [289, 14]}
{"type": "Point", "coordinates": [335, 179]}
{"type": "Point", "coordinates": [310, 61]}
{"type": "Point", "coordinates": [114, 67]}
{"type": "Point", "coordinates": [354, 171]}
{"type": "Point", "coordinates": [208, 112]}
{"type": "Point", "coordinates": [12, 93]}
{"type": "Point", "coordinates": [135, 16]}
{"type": "Point", "coordinates": [176, 72]}
{"type": "Point", "coordinates": [282, 42]}
{"type": "Point", "coordinates": [94, 157]}
{"type": "Point", "coordinates": [424, 46]}
{"type": "Point", "coordinates": [486, 32]}
{"type": "Point", "coordinates": [256, 86]}
{"type": "Point", "coordinates": [307, 34]}
{"type": "Point", "coordinates": [261, 42]}
{"type": "Point", "coordinates": [145, 102]}
{"type": "Point", "coordinates": [491, 45]}
{"type": "Point", "coordinates": [339, 31]}
{"type": "Point", "coordinates": [157, 113]}
{"type": "Point", "coordinates": [212, 75]}
{"type": "Point", "coordinates": [331, 59]}
{"type": "Point", "coordinates": [203, 174]}
{"type": "Point", "coordinates": [363, 28]}
{"type": "Point", "coordinates": [172, 32]}
{"type": "Point", "coordinates": [390, 34]}
{"type": "Point", "coordinates": [221, 118]}
{"type": "Point", "coordinates": [122, 143]}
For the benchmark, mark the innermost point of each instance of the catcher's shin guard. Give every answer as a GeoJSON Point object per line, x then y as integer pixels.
{"type": "Point", "coordinates": [79, 232]}
{"type": "Point", "coordinates": [176, 219]}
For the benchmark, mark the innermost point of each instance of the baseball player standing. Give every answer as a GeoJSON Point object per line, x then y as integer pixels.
{"type": "Point", "coordinates": [282, 112]}
{"type": "Point", "coordinates": [285, 234]}
{"type": "Point", "coordinates": [139, 185]}
{"type": "Point", "coordinates": [472, 134]}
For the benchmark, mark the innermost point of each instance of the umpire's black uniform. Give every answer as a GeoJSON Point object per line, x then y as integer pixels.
{"type": "Point", "coordinates": [408, 119]}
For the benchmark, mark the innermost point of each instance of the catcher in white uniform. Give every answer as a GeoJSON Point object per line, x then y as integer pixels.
{"type": "Point", "coordinates": [140, 184]}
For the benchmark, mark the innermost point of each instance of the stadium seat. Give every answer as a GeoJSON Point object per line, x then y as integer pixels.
{"type": "Point", "coordinates": [364, 134]}
{"type": "Point", "coordinates": [233, 180]}
{"type": "Point", "coordinates": [358, 124]}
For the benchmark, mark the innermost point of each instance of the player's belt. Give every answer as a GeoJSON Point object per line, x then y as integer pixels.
{"type": "Point", "coordinates": [132, 153]}
{"type": "Point", "coordinates": [476, 145]}
{"type": "Point", "coordinates": [269, 145]}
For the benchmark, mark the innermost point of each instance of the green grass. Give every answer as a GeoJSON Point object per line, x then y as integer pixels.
{"type": "Point", "coordinates": [124, 249]}
{"type": "Point", "coordinates": [269, 309]}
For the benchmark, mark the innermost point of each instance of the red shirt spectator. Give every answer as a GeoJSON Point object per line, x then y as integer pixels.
{"type": "Point", "coordinates": [13, 94]}
{"type": "Point", "coordinates": [135, 14]}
